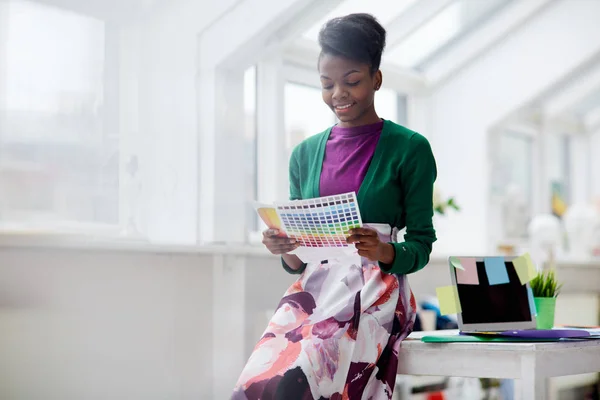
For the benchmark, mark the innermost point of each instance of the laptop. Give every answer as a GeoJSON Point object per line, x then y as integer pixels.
{"type": "Point", "coordinates": [492, 307]}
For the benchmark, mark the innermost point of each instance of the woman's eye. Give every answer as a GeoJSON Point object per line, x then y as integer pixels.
{"type": "Point", "coordinates": [327, 87]}
{"type": "Point", "coordinates": [353, 83]}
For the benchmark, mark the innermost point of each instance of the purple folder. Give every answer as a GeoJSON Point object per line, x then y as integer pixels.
{"type": "Point", "coordinates": [537, 333]}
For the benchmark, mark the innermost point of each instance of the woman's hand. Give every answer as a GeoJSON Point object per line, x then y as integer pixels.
{"type": "Point", "coordinates": [368, 244]}
{"type": "Point", "coordinates": [278, 244]}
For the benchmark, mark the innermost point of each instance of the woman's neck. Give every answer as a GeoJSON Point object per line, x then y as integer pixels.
{"type": "Point", "coordinates": [368, 118]}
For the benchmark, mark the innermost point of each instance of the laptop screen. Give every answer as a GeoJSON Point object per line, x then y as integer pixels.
{"type": "Point", "coordinates": [485, 303]}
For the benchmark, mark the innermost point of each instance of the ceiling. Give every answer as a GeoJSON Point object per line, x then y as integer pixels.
{"type": "Point", "coordinates": [418, 30]}
{"type": "Point", "coordinates": [107, 10]}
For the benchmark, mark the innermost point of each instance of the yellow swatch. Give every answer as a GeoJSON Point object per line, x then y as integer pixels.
{"type": "Point", "coordinates": [525, 268]}
{"type": "Point", "coordinates": [448, 298]}
{"type": "Point", "coordinates": [269, 217]}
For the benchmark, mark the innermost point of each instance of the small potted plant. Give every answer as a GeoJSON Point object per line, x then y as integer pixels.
{"type": "Point", "coordinates": [440, 205]}
{"type": "Point", "coordinates": [545, 288]}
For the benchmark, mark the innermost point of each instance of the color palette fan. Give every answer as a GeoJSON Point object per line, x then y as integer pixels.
{"type": "Point", "coordinates": [320, 225]}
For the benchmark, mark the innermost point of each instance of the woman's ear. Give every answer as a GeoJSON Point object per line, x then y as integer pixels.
{"type": "Point", "coordinates": [378, 79]}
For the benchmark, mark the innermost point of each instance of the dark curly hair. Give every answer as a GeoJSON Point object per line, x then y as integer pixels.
{"type": "Point", "coordinates": [358, 37]}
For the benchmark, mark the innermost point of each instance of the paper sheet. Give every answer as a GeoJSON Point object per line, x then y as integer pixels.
{"type": "Point", "coordinates": [525, 268]}
{"type": "Point", "coordinates": [496, 270]}
{"type": "Point", "coordinates": [455, 261]}
{"type": "Point", "coordinates": [448, 298]}
{"type": "Point", "coordinates": [320, 225]}
{"type": "Point", "coordinates": [468, 276]}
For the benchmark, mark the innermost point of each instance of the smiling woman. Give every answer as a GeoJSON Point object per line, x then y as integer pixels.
{"type": "Point", "coordinates": [337, 330]}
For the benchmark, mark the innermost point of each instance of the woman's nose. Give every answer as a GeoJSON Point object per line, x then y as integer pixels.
{"type": "Point", "coordinates": [339, 93]}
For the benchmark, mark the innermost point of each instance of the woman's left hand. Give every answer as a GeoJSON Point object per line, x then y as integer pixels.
{"type": "Point", "coordinates": [368, 244]}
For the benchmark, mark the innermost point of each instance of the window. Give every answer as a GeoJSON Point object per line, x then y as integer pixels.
{"type": "Point", "coordinates": [305, 113]}
{"type": "Point", "coordinates": [456, 19]}
{"type": "Point", "coordinates": [514, 164]}
{"type": "Point", "coordinates": [512, 182]}
{"type": "Point", "coordinates": [386, 104]}
{"type": "Point", "coordinates": [384, 10]}
{"type": "Point", "coordinates": [59, 162]}
{"type": "Point", "coordinates": [558, 164]}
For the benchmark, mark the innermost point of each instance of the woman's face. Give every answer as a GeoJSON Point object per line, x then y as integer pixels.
{"type": "Point", "coordinates": [348, 88]}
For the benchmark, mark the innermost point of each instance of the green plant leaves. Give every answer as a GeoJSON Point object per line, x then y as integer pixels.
{"type": "Point", "coordinates": [545, 284]}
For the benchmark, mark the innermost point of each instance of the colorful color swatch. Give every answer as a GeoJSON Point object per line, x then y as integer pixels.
{"type": "Point", "coordinates": [496, 270]}
{"type": "Point", "coordinates": [525, 268]}
{"type": "Point", "coordinates": [269, 217]}
{"type": "Point", "coordinates": [319, 222]}
{"type": "Point", "coordinates": [468, 275]}
{"type": "Point", "coordinates": [448, 298]}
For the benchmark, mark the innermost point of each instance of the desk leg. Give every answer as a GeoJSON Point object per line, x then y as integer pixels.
{"type": "Point", "coordinates": [533, 385]}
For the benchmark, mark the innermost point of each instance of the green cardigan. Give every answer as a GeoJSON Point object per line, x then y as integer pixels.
{"type": "Point", "coordinates": [397, 189]}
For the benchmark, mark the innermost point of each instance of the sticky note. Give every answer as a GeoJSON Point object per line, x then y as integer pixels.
{"type": "Point", "coordinates": [448, 298]}
{"type": "Point", "coordinates": [496, 270]}
{"type": "Point", "coordinates": [531, 301]}
{"type": "Point", "coordinates": [456, 263]}
{"type": "Point", "coordinates": [468, 276]}
{"type": "Point", "coordinates": [525, 268]}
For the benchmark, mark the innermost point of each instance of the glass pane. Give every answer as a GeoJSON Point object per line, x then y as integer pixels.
{"type": "Point", "coordinates": [558, 169]}
{"type": "Point", "coordinates": [59, 158]}
{"type": "Point", "coordinates": [588, 104]}
{"type": "Point", "coordinates": [384, 10]}
{"type": "Point", "coordinates": [512, 182]}
{"type": "Point", "coordinates": [305, 113]}
{"type": "Point", "coordinates": [455, 19]}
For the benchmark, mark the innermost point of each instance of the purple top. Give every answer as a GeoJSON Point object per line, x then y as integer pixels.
{"type": "Point", "coordinates": [347, 157]}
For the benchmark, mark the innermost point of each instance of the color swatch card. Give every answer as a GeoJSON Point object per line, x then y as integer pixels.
{"type": "Point", "coordinates": [320, 225]}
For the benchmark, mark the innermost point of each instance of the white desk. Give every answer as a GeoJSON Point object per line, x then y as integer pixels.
{"type": "Point", "coordinates": [531, 363]}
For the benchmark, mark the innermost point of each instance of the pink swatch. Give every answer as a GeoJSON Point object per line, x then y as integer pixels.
{"type": "Point", "coordinates": [469, 275]}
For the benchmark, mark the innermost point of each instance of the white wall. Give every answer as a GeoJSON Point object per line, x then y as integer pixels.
{"type": "Point", "coordinates": [465, 107]}
{"type": "Point", "coordinates": [131, 324]}
{"type": "Point", "coordinates": [104, 325]}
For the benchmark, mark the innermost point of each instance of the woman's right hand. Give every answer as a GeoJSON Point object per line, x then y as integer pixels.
{"type": "Point", "coordinates": [276, 244]}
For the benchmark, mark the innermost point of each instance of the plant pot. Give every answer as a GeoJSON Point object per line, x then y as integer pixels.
{"type": "Point", "coordinates": [545, 307]}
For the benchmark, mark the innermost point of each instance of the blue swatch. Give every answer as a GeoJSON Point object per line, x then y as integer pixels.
{"type": "Point", "coordinates": [496, 270]}
{"type": "Point", "coordinates": [531, 302]}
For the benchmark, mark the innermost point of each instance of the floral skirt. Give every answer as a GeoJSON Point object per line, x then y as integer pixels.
{"type": "Point", "coordinates": [335, 335]}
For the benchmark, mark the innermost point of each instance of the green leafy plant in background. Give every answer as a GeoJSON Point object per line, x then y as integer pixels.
{"type": "Point", "coordinates": [545, 284]}
{"type": "Point", "coordinates": [440, 205]}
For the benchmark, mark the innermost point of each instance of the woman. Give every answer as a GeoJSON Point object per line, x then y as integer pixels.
{"type": "Point", "coordinates": [337, 330]}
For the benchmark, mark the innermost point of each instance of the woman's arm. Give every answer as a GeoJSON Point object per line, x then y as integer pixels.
{"type": "Point", "coordinates": [417, 176]}
{"type": "Point", "coordinates": [292, 264]}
